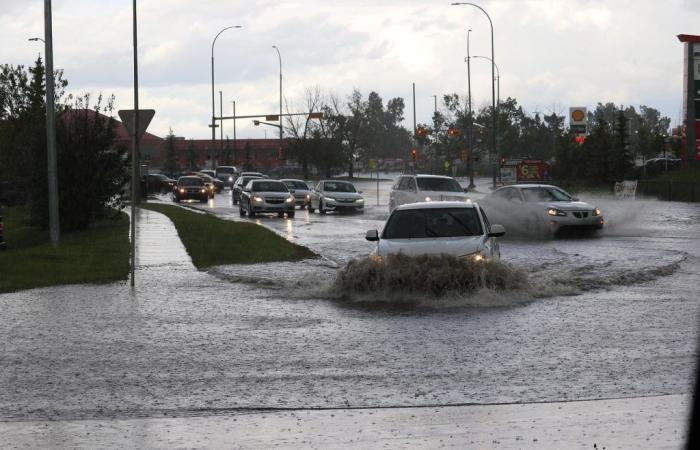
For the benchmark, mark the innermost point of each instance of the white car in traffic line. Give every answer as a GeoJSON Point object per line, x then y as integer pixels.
{"type": "Point", "coordinates": [460, 229]}
{"type": "Point", "coordinates": [541, 209]}
{"type": "Point", "coordinates": [425, 188]}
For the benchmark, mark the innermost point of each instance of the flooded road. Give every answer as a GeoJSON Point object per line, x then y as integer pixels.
{"type": "Point", "coordinates": [613, 316]}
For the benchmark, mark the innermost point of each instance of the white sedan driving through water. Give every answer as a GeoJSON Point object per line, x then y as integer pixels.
{"type": "Point", "coordinates": [432, 228]}
{"type": "Point", "coordinates": [540, 209]}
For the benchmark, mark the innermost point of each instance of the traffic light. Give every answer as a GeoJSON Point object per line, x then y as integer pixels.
{"type": "Point", "coordinates": [420, 131]}
{"type": "Point", "coordinates": [414, 155]}
{"type": "Point", "coordinates": [580, 139]}
{"type": "Point", "coordinates": [454, 131]}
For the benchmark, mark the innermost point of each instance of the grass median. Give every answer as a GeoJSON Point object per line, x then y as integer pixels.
{"type": "Point", "coordinates": [97, 255]}
{"type": "Point", "coordinates": [211, 241]}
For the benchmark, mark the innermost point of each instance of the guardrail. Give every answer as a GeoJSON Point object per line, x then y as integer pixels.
{"type": "Point", "coordinates": [680, 191]}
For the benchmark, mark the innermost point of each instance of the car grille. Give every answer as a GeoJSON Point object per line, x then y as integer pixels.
{"type": "Point", "coordinates": [274, 200]}
{"type": "Point", "coordinates": [346, 200]}
{"type": "Point", "coordinates": [580, 214]}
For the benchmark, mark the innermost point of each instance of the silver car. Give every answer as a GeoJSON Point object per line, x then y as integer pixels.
{"type": "Point", "coordinates": [540, 209]}
{"type": "Point", "coordinates": [300, 190]}
{"type": "Point", "coordinates": [266, 196]}
{"type": "Point", "coordinates": [334, 195]}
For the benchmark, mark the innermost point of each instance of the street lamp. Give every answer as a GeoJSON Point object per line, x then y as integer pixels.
{"type": "Point", "coordinates": [471, 128]}
{"type": "Point", "coordinates": [498, 79]}
{"type": "Point", "coordinates": [213, 113]}
{"type": "Point", "coordinates": [37, 39]}
{"type": "Point", "coordinates": [493, 86]}
{"type": "Point", "coordinates": [280, 59]}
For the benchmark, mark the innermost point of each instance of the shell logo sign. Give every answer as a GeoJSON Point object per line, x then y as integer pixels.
{"type": "Point", "coordinates": [578, 119]}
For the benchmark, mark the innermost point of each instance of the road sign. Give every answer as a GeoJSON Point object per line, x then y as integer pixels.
{"type": "Point", "coordinates": [145, 116]}
{"type": "Point", "coordinates": [578, 129]}
{"type": "Point", "coordinates": [272, 117]}
{"type": "Point", "coordinates": [577, 115]}
{"type": "Point", "coordinates": [372, 164]}
{"type": "Point", "coordinates": [316, 115]}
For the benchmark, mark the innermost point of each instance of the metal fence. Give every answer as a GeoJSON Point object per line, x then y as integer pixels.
{"type": "Point", "coordinates": [680, 191]}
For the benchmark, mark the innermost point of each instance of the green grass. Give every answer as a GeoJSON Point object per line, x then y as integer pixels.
{"type": "Point", "coordinates": [97, 255]}
{"type": "Point", "coordinates": [211, 241]}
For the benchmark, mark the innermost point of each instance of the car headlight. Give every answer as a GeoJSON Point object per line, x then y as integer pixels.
{"type": "Point", "coordinates": [360, 200]}
{"type": "Point", "coordinates": [290, 199]}
{"type": "Point", "coordinates": [555, 212]}
{"type": "Point", "coordinates": [308, 197]}
{"type": "Point", "coordinates": [257, 199]}
{"type": "Point", "coordinates": [596, 212]}
{"type": "Point", "coordinates": [182, 190]}
{"type": "Point", "coordinates": [230, 179]}
{"type": "Point", "coordinates": [474, 257]}
{"type": "Point", "coordinates": [330, 199]}
{"type": "Point", "coordinates": [428, 199]}
{"type": "Point", "coordinates": [204, 191]}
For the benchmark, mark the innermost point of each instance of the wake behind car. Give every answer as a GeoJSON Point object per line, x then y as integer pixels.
{"type": "Point", "coordinates": [334, 195]}
{"type": "Point", "coordinates": [459, 229]}
{"type": "Point", "coordinates": [190, 188]}
{"type": "Point", "coordinates": [425, 188]}
{"type": "Point", "coordinates": [300, 190]}
{"type": "Point", "coordinates": [540, 209]}
{"type": "Point", "coordinates": [266, 196]}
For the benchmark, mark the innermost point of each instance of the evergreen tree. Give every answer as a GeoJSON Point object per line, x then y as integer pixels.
{"type": "Point", "coordinates": [170, 165]}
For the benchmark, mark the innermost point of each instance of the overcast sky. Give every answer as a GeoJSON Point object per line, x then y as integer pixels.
{"type": "Point", "coordinates": [551, 54]}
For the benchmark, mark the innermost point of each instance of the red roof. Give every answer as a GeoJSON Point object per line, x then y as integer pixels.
{"type": "Point", "coordinates": [689, 38]}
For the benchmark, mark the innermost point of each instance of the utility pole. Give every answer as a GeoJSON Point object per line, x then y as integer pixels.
{"type": "Point", "coordinates": [414, 122]}
{"type": "Point", "coordinates": [234, 132]}
{"type": "Point", "coordinates": [134, 150]}
{"type": "Point", "coordinates": [54, 224]}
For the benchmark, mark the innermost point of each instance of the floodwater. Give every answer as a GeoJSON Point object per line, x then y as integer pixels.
{"type": "Point", "coordinates": [613, 316]}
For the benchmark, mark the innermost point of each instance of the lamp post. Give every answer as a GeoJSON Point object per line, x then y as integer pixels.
{"type": "Point", "coordinates": [54, 224]}
{"type": "Point", "coordinates": [279, 56]}
{"type": "Point", "coordinates": [493, 86]}
{"type": "Point", "coordinates": [471, 128]}
{"type": "Point", "coordinates": [498, 79]}
{"type": "Point", "coordinates": [234, 133]}
{"type": "Point", "coordinates": [221, 127]}
{"type": "Point", "coordinates": [213, 113]}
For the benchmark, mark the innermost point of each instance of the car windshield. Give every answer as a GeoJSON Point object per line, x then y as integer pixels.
{"type": "Point", "coordinates": [190, 181]}
{"type": "Point", "coordinates": [227, 170]}
{"type": "Point", "coordinates": [296, 185]}
{"type": "Point", "coordinates": [269, 186]}
{"type": "Point", "coordinates": [438, 184]}
{"type": "Point", "coordinates": [545, 194]}
{"type": "Point", "coordinates": [334, 186]}
{"type": "Point", "coordinates": [432, 223]}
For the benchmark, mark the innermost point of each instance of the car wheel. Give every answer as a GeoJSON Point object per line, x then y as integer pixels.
{"type": "Point", "coordinates": [241, 211]}
{"type": "Point", "coordinates": [280, 215]}
{"type": "Point", "coordinates": [309, 207]}
{"type": "Point", "coordinates": [176, 200]}
{"type": "Point", "coordinates": [320, 208]}
{"type": "Point", "coordinates": [290, 215]}
{"type": "Point", "coordinates": [235, 200]}
{"type": "Point", "coordinates": [203, 200]}
{"type": "Point", "coordinates": [251, 213]}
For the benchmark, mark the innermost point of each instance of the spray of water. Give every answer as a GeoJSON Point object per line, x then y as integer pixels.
{"type": "Point", "coordinates": [427, 280]}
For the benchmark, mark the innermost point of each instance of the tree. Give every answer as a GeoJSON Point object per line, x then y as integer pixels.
{"type": "Point", "coordinates": [248, 164]}
{"type": "Point", "coordinates": [170, 165]}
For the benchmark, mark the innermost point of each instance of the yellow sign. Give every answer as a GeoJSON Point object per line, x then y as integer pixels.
{"type": "Point", "coordinates": [372, 163]}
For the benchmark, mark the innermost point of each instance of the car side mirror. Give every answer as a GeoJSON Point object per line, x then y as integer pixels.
{"type": "Point", "coordinates": [359, 192]}
{"type": "Point", "coordinates": [466, 189]}
{"type": "Point", "coordinates": [574, 199]}
{"type": "Point", "coordinates": [372, 235]}
{"type": "Point", "coordinates": [291, 191]}
{"type": "Point", "coordinates": [497, 231]}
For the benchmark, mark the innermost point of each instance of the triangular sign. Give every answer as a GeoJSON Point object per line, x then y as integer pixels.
{"type": "Point", "coordinates": [145, 116]}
